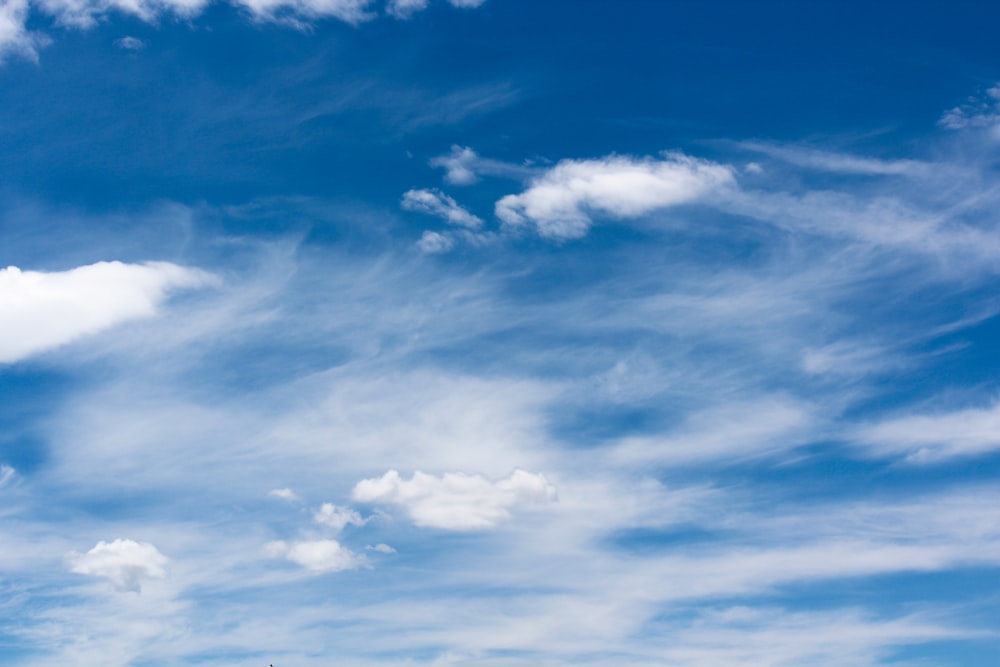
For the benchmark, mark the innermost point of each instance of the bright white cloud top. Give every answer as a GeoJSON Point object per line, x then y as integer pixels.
{"type": "Point", "coordinates": [457, 501]}
{"type": "Point", "coordinates": [563, 202]}
{"type": "Point", "coordinates": [43, 310]}
{"type": "Point", "coordinates": [123, 562]}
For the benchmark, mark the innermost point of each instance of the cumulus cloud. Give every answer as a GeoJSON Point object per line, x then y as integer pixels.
{"type": "Point", "coordinates": [435, 202]}
{"type": "Point", "coordinates": [456, 501]}
{"type": "Point", "coordinates": [336, 517]}
{"type": "Point", "coordinates": [317, 556]}
{"type": "Point", "coordinates": [434, 243]}
{"type": "Point", "coordinates": [42, 310]}
{"type": "Point", "coordinates": [382, 549]}
{"type": "Point", "coordinates": [937, 437]}
{"type": "Point", "coordinates": [123, 562]}
{"type": "Point", "coordinates": [562, 202]}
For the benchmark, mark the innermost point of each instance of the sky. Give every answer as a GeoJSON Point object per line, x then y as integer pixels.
{"type": "Point", "coordinates": [499, 333]}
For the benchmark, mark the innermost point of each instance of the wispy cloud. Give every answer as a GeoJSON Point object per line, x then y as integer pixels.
{"type": "Point", "coordinates": [437, 203]}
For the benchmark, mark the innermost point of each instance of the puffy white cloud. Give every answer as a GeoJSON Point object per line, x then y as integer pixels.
{"type": "Point", "coordinates": [435, 202]}
{"type": "Point", "coordinates": [560, 203]}
{"type": "Point", "coordinates": [382, 549]}
{"type": "Point", "coordinates": [937, 437]}
{"type": "Point", "coordinates": [456, 501]}
{"type": "Point", "coordinates": [122, 562]}
{"type": "Point", "coordinates": [317, 556]}
{"type": "Point", "coordinates": [434, 243]}
{"type": "Point", "coordinates": [42, 310]}
{"type": "Point", "coordinates": [336, 517]}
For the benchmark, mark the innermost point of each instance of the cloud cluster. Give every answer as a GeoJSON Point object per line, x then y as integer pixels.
{"type": "Point", "coordinates": [979, 112]}
{"type": "Point", "coordinates": [43, 310]}
{"type": "Point", "coordinates": [456, 501]}
{"type": "Point", "coordinates": [562, 203]}
{"type": "Point", "coordinates": [125, 563]}
{"type": "Point", "coordinates": [15, 38]}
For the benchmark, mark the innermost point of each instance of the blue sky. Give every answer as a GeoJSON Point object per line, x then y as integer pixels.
{"type": "Point", "coordinates": [498, 333]}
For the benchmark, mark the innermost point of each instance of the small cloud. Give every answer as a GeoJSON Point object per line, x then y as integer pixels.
{"type": "Point", "coordinates": [336, 517]}
{"type": "Point", "coordinates": [562, 202]}
{"type": "Point", "coordinates": [381, 548]}
{"type": "Point", "coordinates": [458, 165]}
{"type": "Point", "coordinates": [283, 494]}
{"type": "Point", "coordinates": [433, 243]}
{"type": "Point", "coordinates": [437, 203]}
{"type": "Point", "coordinates": [979, 112]}
{"type": "Point", "coordinates": [6, 474]}
{"type": "Point", "coordinates": [753, 168]}
{"type": "Point", "coordinates": [122, 562]}
{"type": "Point", "coordinates": [316, 556]}
{"type": "Point", "coordinates": [130, 44]}
{"type": "Point", "coordinates": [404, 9]}
{"type": "Point", "coordinates": [457, 501]}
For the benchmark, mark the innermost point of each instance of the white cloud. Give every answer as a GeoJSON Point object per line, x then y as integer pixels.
{"type": "Point", "coordinates": [435, 202]}
{"type": "Point", "coordinates": [123, 562]}
{"type": "Point", "coordinates": [463, 166]}
{"type": "Point", "coordinates": [6, 474]}
{"type": "Point", "coordinates": [382, 549]}
{"type": "Point", "coordinates": [283, 494]}
{"type": "Point", "coordinates": [561, 203]}
{"type": "Point", "coordinates": [837, 162]}
{"type": "Point", "coordinates": [42, 310]}
{"type": "Point", "coordinates": [336, 517]}
{"type": "Point", "coordinates": [981, 112]}
{"type": "Point", "coordinates": [404, 9]}
{"type": "Point", "coordinates": [456, 501]}
{"type": "Point", "coordinates": [434, 243]}
{"type": "Point", "coordinates": [936, 437]}
{"type": "Point", "coordinates": [130, 44]}
{"type": "Point", "coordinates": [15, 38]}
{"type": "Point", "coordinates": [317, 556]}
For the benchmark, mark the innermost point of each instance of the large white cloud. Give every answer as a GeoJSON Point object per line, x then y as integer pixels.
{"type": "Point", "coordinates": [563, 201]}
{"type": "Point", "coordinates": [125, 563]}
{"type": "Point", "coordinates": [42, 310]}
{"type": "Point", "coordinates": [317, 556]}
{"type": "Point", "coordinates": [456, 501]}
